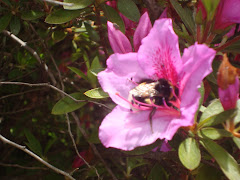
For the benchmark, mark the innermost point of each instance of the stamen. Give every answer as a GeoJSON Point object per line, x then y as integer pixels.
{"type": "Point", "coordinates": [177, 102]}
{"type": "Point", "coordinates": [131, 80]}
{"type": "Point", "coordinates": [138, 107]}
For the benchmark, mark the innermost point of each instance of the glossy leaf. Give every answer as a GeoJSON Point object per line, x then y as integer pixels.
{"type": "Point", "coordinates": [189, 153]}
{"type": "Point", "coordinates": [15, 25]}
{"type": "Point", "coordinates": [58, 35]}
{"type": "Point", "coordinates": [96, 93]}
{"type": "Point", "coordinates": [213, 109]}
{"type": "Point", "coordinates": [185, 15]}
{"type": "Point", "coordinates": [213, 133]}
{"type": "Point", "coordinates": [33, 144]}
{"type": "Point", "coordinates": [206, 172]}
{"type": "Point", "coordinates": [62, 16]}
{"type": "Point", "coordinates": [4, 21]}
{"type": "Point", "coordinates": [78, 72]}
{"type": "Point", "coordinates": [92, 33]}
{"type": "Point", "coordinates": [31, 15]}
{"type": "Point", "coordinates": [129, 9]}
{"type": "Point", "coordinates": [96, 71]}
{"type": "Point", "coordinates": [157, 173]}
{"type": "Point", "coordinates": [66, 105]}
{"type": "Point", "coordinates": [217, 119]}
{"type": "Point", "coordinates": [237, 141]}
{"type": "Point", "coordinates": [113, 16]}
{"type": "Point", "coordinates": [227, 163]}
{"type": "Point", "coordinates": [77, 4]}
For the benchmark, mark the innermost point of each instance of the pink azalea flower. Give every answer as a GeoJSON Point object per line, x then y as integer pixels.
{"type": "Point", "coordinates": [121, 44]}
{"type": "Point", "coordinates": [129, 124]}
{"type": "Point", "coordinates": [227, 13]}
{"type": "Point", "coordinates": [228, 83]}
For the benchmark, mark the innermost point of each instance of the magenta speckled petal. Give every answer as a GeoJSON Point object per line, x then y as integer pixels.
{"type": "Point", "coordinates": [142, 30]}
{"type": "Point", "coordinates": [118, 41]}
{"type": "Point", "coordinates": [159, 54]}
{"type": "Point", "coordinates": [116, 78]}
{"type": "Point", "coordinates": [125, 130]}
{"type": "Point", "coordinates": [197, 64]}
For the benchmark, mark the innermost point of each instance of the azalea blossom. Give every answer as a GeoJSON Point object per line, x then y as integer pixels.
{"type": "Point", "coordinates": [130, 124]}
{"type": "Point", "coordinates": [228, 83]}
{"type": "Point", "coordinates": [227, 13]}
{"type": "Point", "coordinates": [119, 41]}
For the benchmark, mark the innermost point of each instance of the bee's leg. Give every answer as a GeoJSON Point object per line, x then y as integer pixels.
{"type": "Point", "coordinates": [151, 115]}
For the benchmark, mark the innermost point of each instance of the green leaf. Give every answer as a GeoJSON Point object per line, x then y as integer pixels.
{"type": "Point", "coordinates": [227, 163]}
{"type": "Point", "coordinates": [217, 119]}
{"type": "Point", "coordinates": [113, 16]}
{"type": "Point", "coordinates": [33, 144]}
{"type": "Point", "coordinates": [62, 16]}
{"type": "Point", "coordinates": [49, 144]}
{"type": "Point", "coordinates": [210, 6]}
{"type": "Point", "coordinates": [157, 173]}
{"type": "Point", "coordinates": [58, 35]}
{"type": "Point", "coordinates": [66, 105]}
{"type": "Point", "coordinates": [142, 150]}
{"type": "Point", "coordinates": [206, 172]}
{"type": "Point", "coordinates": [129, 9]}
{"type": "Point", "coordinates": [213, 133]}
{"type": "Point", "coordinates": [189, 153]}
{"type": "Point", "coordinates": [96, 93]}
{"type": "Point", "coordinates": [237, 118]}
{"type": "Point", "coordinates": [96, 71]}
{"type": "Point", "coordinates": [78, 4]}
{"type": "Point", "coordinates": [92, 33]}
{"type": "Point", "coordinates": [15, 25]}
{"type": "Point", "coordinates": [213, 109]}
{"type": "Point", "coordinates": [185, 14]}
{"type": "Point", "coordinates": [4, 21]}
{"type": "Point", "coordinates": [78, 72]}
{"type": "Point", "coordinates": [31, 15]}
{"type": "Point", "coordinates": [237, 141]}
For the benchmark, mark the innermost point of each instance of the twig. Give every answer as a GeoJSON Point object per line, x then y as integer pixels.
{"type": "Point", "coordinates": [21, 93]}
{"type": "Point", "coordinates": [33, 52]}
{"type": "Point", "coordinates": [51, 56]}
{"type": "Point", "coordinates": [93, 146]}
{"type": "Point", "coordinates": [75, 147]}
{"type": "Point", "coordinates": [23, 148]}
{"type": "Point", "coordinates": [56, 89]}
{"type": "Point", "coordinates": [228, 43]}
{"type": "Point", "coordinates": [23, 167]}
{"type": "Point", "coordinates": [59, 3]}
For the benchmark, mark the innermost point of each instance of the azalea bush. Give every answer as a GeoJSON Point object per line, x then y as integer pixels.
{"type": "Point", "coordinates": [120, 89]}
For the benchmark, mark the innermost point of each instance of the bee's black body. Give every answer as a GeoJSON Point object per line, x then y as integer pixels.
{"type": "Point", "coordinates": [156, 92]}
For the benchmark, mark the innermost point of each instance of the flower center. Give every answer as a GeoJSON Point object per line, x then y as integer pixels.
{"type": "Point", "coordinates": [157, 94]}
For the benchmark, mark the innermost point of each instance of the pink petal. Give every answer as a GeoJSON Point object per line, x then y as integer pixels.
{"type": "Point", "coordinates": [227, 13]}
{"type": "Point", "coordinates": [164, 13]}
{"type": "Point", "coordinates": [197, 60]}
{"type": "Point", "coordinates": [229, 96]}
{"type": "Point", "coordinates": [142, 30]}
{"type": "Point", "coordinates": [165, 147]}
{"type": "Point", "coordinates": [118, 41]}
{"type": "Point", "coordinates": [126, 130]}
{"type": "Point", "coordinates": [159, 54]}
{"type": "Point", "coordinates": [117, 77]}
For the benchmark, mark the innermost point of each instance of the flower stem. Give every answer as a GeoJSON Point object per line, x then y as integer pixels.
{"type": "Point", "coordinates": [199, 33]}
{"type": "Point", "coordinates": [206, 31]}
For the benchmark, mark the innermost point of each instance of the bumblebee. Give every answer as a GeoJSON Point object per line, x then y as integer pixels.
{"type": "Point", "coordinates": [150, 94]}
{"type": "Point", "coordinates": [153, 92]}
